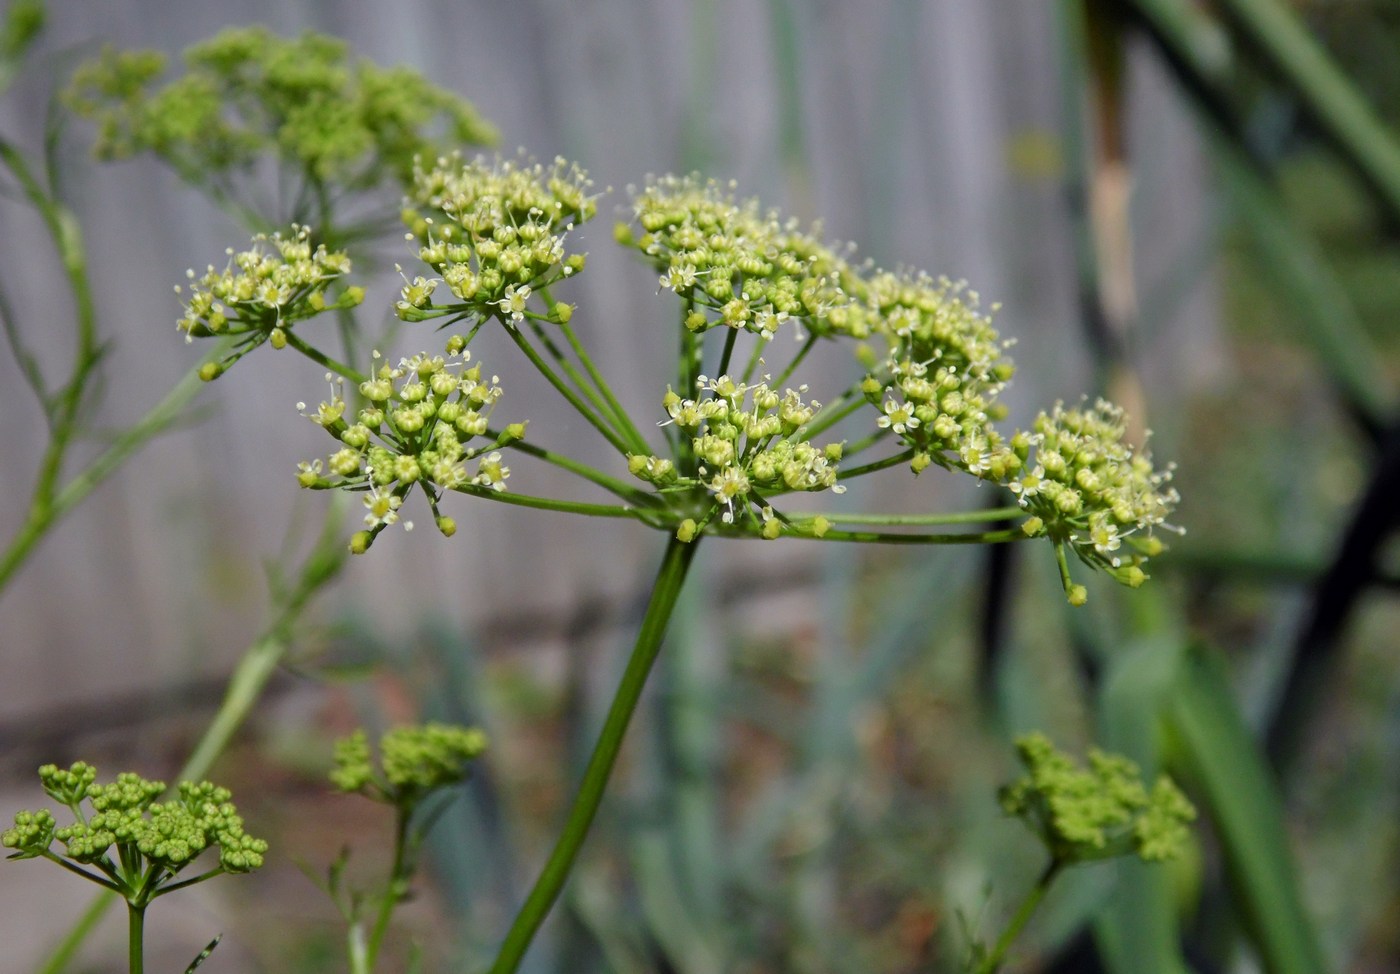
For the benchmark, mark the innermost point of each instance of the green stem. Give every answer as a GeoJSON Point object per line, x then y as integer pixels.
{"type": "Point", "coordinates": [620, 416]}
{"type": "Point", "coordinates": [321, 358]}
{"type": "Point", "coordinates": [835, 411]}
{"type": "Point", "coordinates": [43, 516]}
{"type": "Point", "coordinates": [68, 241]}
{"type": "Point", "coordinates": [79, 870]}
{"type": "Point", "coordinates": [614, 407]}
{"type": "Point", "coordinates": [574, 399]}
{"type": "Point", "coordinates": [669, 580]}
{"type": "Point", "coordinates": [879, 537]}
{"type": "Point", "coordinates": [689, 366]}
{"type": "Point", "coordinates": [627, 492]}
{"type": "Point", "coordinates": [398, 879]}
{"type": "Point", "coordinates": [604, 405]}
{"type": "Point", "coordinates": [729, 339]}
{"type": "Point", "coordinates": [554, 504]}
{"type": "Point", "coordinates": [135, 934]}
{"type": "Point", "coordinates": [874, 465]}
{"type": "Point", "coordinates": [913, 520]}
{"type": "Point", "coordinates": [992, 963]}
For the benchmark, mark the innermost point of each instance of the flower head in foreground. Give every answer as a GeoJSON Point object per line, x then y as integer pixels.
{"type": "Point", "coordinates": [414, 761]}
{"type": "Point", "coordinates": [493, 234]}
{"type": "Point", "coordinates": [1095, 813]}
{"type": "Point", "coordinates": [137, 843]}
{"type": "Point", "coordinates": [263, 291]}
{"type": "Point", "coordinates": [1085, 488]}
{"type": "Point", "coordinates": [415, 430]}
{"type": "Point", "coordinates": [748, 443]}
{"type": "Point", "coordinates": [741, 268]}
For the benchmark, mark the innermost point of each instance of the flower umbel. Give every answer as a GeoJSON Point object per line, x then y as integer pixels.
{"type": "Point", "coordinates": [263, 291]}
{"type": "Point", "coordinates": [493, 233]}
{"type": "Point", "coordinates": [136, 844]}
{"type": "Point", "coordinates": [743, 268]}
{"type": "Point", "coordinates": [414, 430]}
{"type": "Point", "coordinates": [414, 761]}
{"type": "Point", "coordinates": [342, 122]}
{"type": "Point", "coordinates": [937, 390]}
{"type": "Point", "coordinates": [749, 444]}
{"type": "Point", "coordinates": [1087, 489]}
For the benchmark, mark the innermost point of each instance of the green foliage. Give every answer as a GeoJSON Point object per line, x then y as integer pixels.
{"type": "Point", "coordinates": [247, 92]}
{"type": "Point", "coordinates": [23, 21]}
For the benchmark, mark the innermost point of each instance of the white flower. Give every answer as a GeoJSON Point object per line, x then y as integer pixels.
{"type": "Point", "coordinates": [514, 301]}
{"type": "Point", "coordinates": [383, 507]}
{"type": "Point", "coordinates": [899, 416]}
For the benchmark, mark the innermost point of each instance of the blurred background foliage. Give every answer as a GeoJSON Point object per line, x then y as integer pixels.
{"type": "Point", "coordinates": [811, 786]}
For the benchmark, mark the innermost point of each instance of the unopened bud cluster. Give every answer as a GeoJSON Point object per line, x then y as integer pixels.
{"type": "Point", "coordinates": [344, 122]}
{"type": "Point", "coordinates": [415, 429]}
{"type": "Point", "coordinates": [413, 761]}
{"type": "Point", "coordinates": [493, 233]}
{"type": "Point", "coordinates": [133, 839]}
{"type": "Point", "coordinates": [1084, 814]}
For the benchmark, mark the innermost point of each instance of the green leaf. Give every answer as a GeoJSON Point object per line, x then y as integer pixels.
{"type": "Point", "coordinates": [1241, 797]}
{"type": "Point", "coordinates": [1138, 929]}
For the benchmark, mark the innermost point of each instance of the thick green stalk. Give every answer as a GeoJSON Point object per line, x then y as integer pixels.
{"type": "Point", "coordinates": [135, 938]}
{"type": "Point", "coordinates": [669, 580]}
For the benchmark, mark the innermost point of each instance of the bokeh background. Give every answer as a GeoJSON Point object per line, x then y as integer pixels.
{"type": "Point", "coordinates": [812, 784]}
